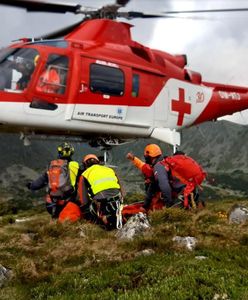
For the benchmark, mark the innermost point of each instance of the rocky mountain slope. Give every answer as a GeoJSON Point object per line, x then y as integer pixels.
{"type": "Point", "coordinates": [221, 148]}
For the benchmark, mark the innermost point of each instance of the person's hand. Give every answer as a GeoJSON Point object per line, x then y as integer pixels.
{"type": "Point", "coordinates": [144, 209]}
{"type": "Point", "coordinates": [28, 185]}
{"type": "Point", "coordinates": [130, 156]}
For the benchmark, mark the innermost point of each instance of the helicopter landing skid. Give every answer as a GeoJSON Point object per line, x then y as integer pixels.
{"type": "Point", "coordinates": [106, 143]}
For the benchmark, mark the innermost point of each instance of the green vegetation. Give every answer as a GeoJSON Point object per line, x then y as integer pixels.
{"type": "Point", "coordinates": [236, 181]}
{"type": "Point", "coordinates": [82, 261]}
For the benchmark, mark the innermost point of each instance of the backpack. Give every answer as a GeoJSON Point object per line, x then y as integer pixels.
{"type": "Point", "coordinates": [185, 168]}
{"type": "Point", "coordinates": [59, 181]}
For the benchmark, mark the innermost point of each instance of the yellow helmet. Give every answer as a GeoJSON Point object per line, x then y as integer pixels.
{"type": "Point", "coordinates": [152, 150]}
{"type": "Point", "coordinates": [65, 150]}
{"type": "Point", "coordinates": [36, 58]}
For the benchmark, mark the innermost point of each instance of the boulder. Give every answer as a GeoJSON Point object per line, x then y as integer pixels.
{"type": "Point", "coordinates": [135, 226]}
{"type": "Point", "coordinates": [188, 242]}
{"type": "Point", "coordinates": [5, 274]}
{"type": "Point", "coordinates": [238, 214]}
{"type": "Point", "coordinates": [145, 252]}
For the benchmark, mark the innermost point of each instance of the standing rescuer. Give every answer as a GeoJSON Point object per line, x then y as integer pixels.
{"type": "Point", "coordinates": [61, 181]}
{"type": "Point", "coordinates": [104, 192]}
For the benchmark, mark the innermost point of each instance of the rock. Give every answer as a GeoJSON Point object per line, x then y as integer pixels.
{"type": "Point", "coordinates": [136, 225]}
{"type": "Point", "coordinates": [221, 297]}
{"type": "Point", "coordinates": [21, 220]}
{"type": "Point", "coordinates": [82, 233]}
{"type": "Point", "coordinates": [188, 242]}
{"type": "Point", "coordinates": [145, 252]}
{"type": "Point", "coordinates": [200, 257]}
{"type": "Point", "coordinates": [5, 274]}
{"type": "Point", "coordinates": [238, 214]}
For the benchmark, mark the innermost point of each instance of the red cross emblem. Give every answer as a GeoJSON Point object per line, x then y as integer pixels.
{"type": "Point", "coordinates": [181, 107]}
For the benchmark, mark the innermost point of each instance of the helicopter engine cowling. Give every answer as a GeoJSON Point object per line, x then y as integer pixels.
{"type": "Point", "coordinates": [178, 60]}
{"type": "Point", "coordinates": [193, 76]}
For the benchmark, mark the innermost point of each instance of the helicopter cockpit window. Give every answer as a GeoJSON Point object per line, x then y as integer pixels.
{"type": "Point", "coordinates": [16, 68]}
{"type": "Point", "coordinates": [106, 80]}
{"type": "Point", "coordinates": [54, 76]}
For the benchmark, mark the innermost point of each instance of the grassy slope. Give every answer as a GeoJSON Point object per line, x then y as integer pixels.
{"type": "Point", "coordinates": [82, 261]}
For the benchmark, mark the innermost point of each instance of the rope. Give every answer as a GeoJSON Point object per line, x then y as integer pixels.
{"type": "Point", "coordinates": [118, 215]}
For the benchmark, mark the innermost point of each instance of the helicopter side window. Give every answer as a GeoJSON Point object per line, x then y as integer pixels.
{"type": "Point", "coordinates": [106, 80]}
{"type": "Point", "coordinates": [135, 85]}
{"type": "Point", "coordinates": [16, 68]}
{"type": "Point", "coordinates": [54, 76]}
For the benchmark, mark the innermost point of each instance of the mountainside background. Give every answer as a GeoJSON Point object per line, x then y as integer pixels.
{"type": "Point", "coordinates": [220, 147]}
{"type": "Point", "coordinates": [41, 259]}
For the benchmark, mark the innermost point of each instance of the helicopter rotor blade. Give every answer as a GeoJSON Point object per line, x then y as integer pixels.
{"type": "Point", "coordinates": [137, 14]}
{"type": "Point", "coordinates": [107, 11]}
{"type": "Point", "coordinates": [60, 32]}
{"type": "Point", "coordinates": [173, 14]}
{"type": "Point", "coordinates": [43, 6]}
{"type": "Point", "coordinates": [122, 2]}
{"type": "Point", "coordinates": [206, 11]}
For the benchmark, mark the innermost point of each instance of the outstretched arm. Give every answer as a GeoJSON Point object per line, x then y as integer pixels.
{"type": "Point", "coordinates": [39, 183]}
{"type": "Point", "coordinates": [146, 169]}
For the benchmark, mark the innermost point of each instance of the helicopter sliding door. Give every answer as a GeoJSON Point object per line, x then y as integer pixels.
{"type": "Point", "coordinates": [149, 99]}
{"type": "Point", "coordinates": [101, 96]}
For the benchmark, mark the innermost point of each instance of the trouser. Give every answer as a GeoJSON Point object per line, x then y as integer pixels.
{"type": "Point", "coordinates": [108, 211]}
{"type": "Point", "coordinates": [62, 209]}
{"type": "Point", "coordinates": [53, 207]}
{"type": "Point", "coordinates": [187, 200]}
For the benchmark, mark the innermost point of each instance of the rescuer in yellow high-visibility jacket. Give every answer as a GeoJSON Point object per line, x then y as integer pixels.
{"type": "Point", "coordinates": [104, 195]}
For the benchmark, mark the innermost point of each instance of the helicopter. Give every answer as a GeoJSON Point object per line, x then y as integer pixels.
{"type": "Point", "coordinates": [107, 88]}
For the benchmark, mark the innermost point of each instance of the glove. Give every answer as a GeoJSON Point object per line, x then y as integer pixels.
{"type": "Point", "coordinates": [130, 156]}
{"type": "Point", "coordinates": [28, 185]}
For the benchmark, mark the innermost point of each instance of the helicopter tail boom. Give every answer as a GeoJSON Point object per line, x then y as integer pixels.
{"type": "Point", "coordinates": [226, 100]}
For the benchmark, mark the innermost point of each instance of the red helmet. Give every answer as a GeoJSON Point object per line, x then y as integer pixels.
{"type": "Point", "coordinates": [152, 150]}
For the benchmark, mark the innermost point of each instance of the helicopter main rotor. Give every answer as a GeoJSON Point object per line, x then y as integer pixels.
{"type": "Point", "coordinates": [110, 11]}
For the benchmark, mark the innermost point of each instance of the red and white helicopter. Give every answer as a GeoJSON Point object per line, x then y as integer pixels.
{"type": "Point", "coordinates": [106, 88]}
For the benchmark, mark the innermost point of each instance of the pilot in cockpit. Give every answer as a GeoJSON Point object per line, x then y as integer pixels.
{"type": "Point", "coordinates": [26, 68]}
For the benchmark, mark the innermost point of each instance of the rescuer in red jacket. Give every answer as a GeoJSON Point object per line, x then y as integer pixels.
{"type": "Point", "coordinates": [157, 176]}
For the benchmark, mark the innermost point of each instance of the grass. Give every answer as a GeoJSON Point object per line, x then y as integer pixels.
{"type": "Point", "coordinates": [82, 261]}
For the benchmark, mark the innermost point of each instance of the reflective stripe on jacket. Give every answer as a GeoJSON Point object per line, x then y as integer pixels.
{"type": "Point", "coordinates": [101, 178]}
